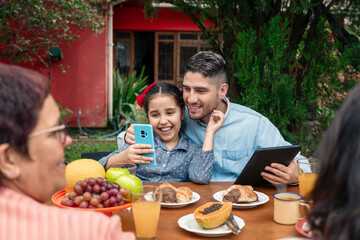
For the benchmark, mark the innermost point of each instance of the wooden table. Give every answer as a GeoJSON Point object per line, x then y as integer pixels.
{"type": "Point", "coordinates": [259, 222]}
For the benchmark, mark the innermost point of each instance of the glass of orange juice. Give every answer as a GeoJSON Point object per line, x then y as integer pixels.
{"type": "Point", "coordinates": [307, 176]}
{"type": "Point", "coordinates": [146, 210]}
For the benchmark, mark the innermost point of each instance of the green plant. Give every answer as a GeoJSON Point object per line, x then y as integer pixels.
{"type": "Point", "coordinates": [301, 110]}
{"type": "Point", "coordinates": [126, 88]}
{"type": "Point", "coordinates": [64, 111]}
{"type": "Point", "coordinates": [30, 29]}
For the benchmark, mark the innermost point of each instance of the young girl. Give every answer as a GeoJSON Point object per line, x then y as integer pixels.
{"type": "Point", "coordinates": [178, 159]}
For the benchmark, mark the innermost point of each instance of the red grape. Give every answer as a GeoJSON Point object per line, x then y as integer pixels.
{"type": "Point", "coordinates": [113, 192]}
{"type": "Point", "coordinates": [97, 196]}
{"type": "Point", "coordinates": [70, 203]}
{"type": "Point", "coordinates": [83, 184]}
{"type": "Point", "coordinates": [96, 188]}
{"type": "Point", "coordinates": [94, 201]}
{"type": "Point", "coordinates": [91, 181]}
{"type": "Point", "coordinates": [78, 189]}
{"type": "Point", "coordinates": [112, 201]}
{"type": "Point", "coordinates": [72, 195]}
{"type": "Point", "coordinates": [89, 189]}
{"type": "Point", "coordinates": [109, 186]}
{"type": "Point", "coordinates": [123, 191]}
{"type": "Point", "coordinates": [87, 196]}
{"type": "Point", "coordinates": [104, 196]}
{"type": "Point", "coordinates": [119, 197]}
{"type": "Point", "coordinates": [95, 193]}
{"type": "Point", "coordinates": [78, 200]}
{"type": "Point", "coordinates": [99, 180]}
{"type": "Point", "coordinates": [84, 204]}
{"type": "Point", "coordinates": [116, 186]}
{"type": "Point", "coordinates": [64, 200]}
{"type": "Point", "coordinates": [106, 203]}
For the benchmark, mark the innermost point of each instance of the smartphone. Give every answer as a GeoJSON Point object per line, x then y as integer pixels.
{"type": "Point", "coordinates": [144, 134]}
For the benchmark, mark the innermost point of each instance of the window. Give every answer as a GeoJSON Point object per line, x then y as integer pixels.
{"type": "Point", "coordinates": [172, 52]}
{"type": "Point", "coordinates": [123, 51]}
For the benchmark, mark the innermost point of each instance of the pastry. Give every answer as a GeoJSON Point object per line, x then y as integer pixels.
{"type": "Point", "coordinates": [240, 194]}
{"type": "Point", "coordinates": [183, 194]}
{"type": "Point", "coordinates": [168, 193]}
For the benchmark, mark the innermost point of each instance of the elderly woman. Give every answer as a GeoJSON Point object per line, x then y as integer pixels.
{"type": "Point", "coordinates": [32, 169]}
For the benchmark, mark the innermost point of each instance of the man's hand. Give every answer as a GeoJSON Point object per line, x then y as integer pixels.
{"type": "Point", "coordinates": [281, 174]}
{"type": "Point", "coordinates": [130, 135]}
{"type": "Point", "coordinates": [215, 122]}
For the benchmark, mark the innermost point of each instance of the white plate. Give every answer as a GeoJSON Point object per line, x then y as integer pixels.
{"type": "Point", "coordinates": [195, 198]}
{"type": "Point", "coordinates": [263, 198]}
{"type": "Point", "coordinates": [188, 223]}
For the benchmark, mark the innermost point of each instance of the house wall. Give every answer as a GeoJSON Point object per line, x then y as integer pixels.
{"type": "Point", "coordinates": [131, 18]}
{"type": "Point", "coordinates": [84, 85]}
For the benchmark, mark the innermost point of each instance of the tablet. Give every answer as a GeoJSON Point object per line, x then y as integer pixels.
{"type": "Point", "coordinates": [263, 157]}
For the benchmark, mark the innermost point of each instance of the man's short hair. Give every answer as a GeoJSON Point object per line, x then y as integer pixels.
{"type": "Point", "coordinates": [209, 64]}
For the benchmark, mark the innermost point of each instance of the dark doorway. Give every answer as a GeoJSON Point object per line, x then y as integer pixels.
{"type": "Point", "coordinates": [144, 53]}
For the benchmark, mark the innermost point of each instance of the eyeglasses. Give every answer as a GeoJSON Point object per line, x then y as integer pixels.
{"type": "Point", "coordinates": [61, 132]}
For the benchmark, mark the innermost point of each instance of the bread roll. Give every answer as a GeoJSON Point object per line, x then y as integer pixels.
{"type": "Point", "coordinates": [183, 194]}
{"type": "Point", "coordinates": [240, 194]}
{"type": "Point", "coordinates": [168, 193]}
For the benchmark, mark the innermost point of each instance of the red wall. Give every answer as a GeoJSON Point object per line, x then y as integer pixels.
{"type": "Point", "coordinates": [167, 20]}
{"type": "Point", "coordinates": [84, 85]}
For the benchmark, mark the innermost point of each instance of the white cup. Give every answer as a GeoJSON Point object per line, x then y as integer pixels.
{"type": "Point", "coordinates": [287, 207]}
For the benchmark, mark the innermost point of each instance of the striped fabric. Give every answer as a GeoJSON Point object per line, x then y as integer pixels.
{"type": "Point", "coordinates": [23, 218]}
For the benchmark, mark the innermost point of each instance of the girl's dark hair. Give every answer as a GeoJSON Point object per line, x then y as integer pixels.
{"type": "Point", "coordinates": [22, 94]}
{"type": "Point", "coordinates": [336, 213]}
{"type": "Point", "coordinates": [163, 88]}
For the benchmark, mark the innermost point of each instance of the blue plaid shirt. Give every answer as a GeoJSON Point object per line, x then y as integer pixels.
{"type": "Point", "coordinates": [185, 162]}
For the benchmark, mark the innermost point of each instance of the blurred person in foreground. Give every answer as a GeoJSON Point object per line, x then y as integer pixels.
{"type": "Point", "coordinates": [336, 212]}
{"type": "Point", "coordinates": [32, 168]}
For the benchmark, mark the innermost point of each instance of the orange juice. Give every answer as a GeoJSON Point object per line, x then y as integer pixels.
{"type": "Point", "coordinates": [307, 184]}
{"type": "Point", "coordinates": [146, 217]}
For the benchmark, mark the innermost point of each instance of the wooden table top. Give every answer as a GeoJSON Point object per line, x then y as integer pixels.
{"type": "Point", "coordinates": [259, 223]}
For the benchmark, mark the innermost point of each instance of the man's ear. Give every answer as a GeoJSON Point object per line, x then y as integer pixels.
{"type": "Point", "coordinates": [9, 161]}
{"type": "Point", "coordinates": [223, 90]}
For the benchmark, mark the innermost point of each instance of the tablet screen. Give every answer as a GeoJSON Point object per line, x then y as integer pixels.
{"type": "Point", "coordinates": [263, 157]}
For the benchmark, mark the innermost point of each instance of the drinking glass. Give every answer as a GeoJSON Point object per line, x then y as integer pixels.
{"type": "Point", "coordinates": [307, 177]}
{"type": "Point", "coordinates": [146, 210]}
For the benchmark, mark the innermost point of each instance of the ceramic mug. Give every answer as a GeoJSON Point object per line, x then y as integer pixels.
{"type": "Point", "coordinates": [287, 207]}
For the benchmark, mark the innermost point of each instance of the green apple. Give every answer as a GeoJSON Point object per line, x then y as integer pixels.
{"type": "Point", "coordinates": [113, 173]}
{"type": "Point", "coordinates": [129, 181]}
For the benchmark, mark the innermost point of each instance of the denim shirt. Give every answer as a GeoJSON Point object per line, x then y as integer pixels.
{"type": "Point", "coordinates": [185, 162]}
{"type": "Point", "coordinates": [244, 131]}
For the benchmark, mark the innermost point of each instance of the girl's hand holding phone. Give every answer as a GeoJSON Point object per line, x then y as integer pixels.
{"type": "Point", "coordinates": [133, 154]}
{"type": "Point", "coordinates": [130, 135]}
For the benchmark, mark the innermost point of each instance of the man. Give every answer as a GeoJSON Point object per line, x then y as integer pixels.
{"type": "Point", "coordinates": [244, 130]}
